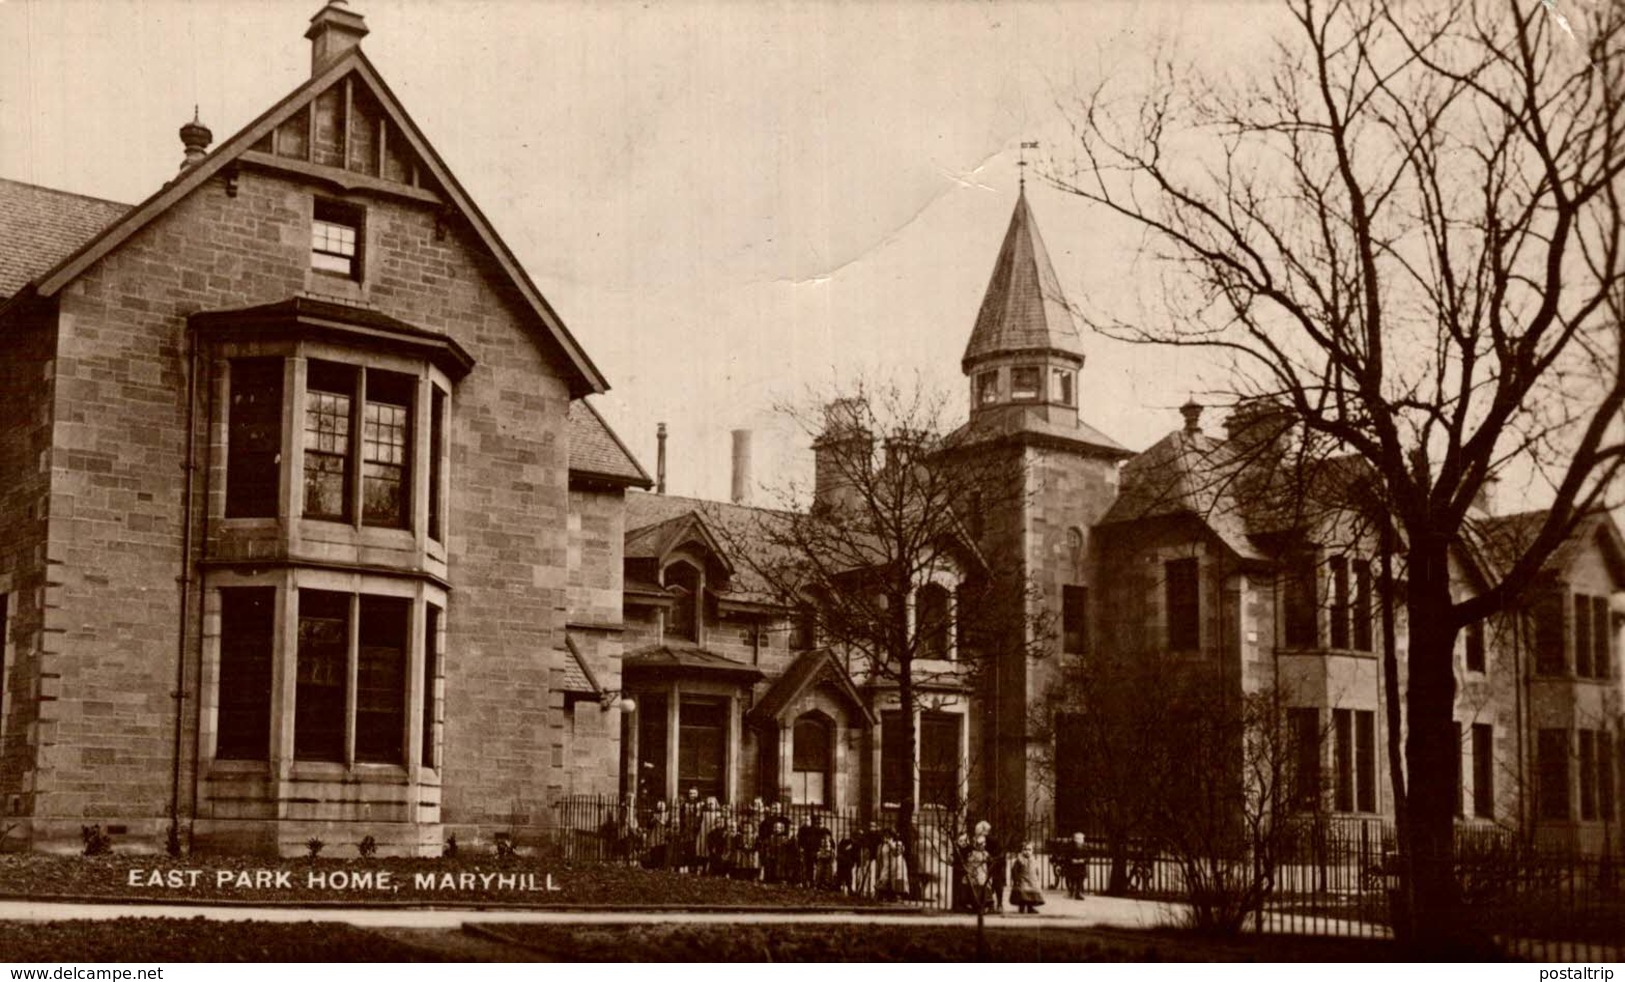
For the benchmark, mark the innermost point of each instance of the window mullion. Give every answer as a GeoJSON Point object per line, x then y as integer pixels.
{"type": "Point", "coordinates": [354, 462]}
{"type": "Point", "coordinates": [352, 662]}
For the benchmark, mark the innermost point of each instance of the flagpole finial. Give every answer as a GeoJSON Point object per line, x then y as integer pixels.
{"type": "Point", "coordinates": [1026, 145]}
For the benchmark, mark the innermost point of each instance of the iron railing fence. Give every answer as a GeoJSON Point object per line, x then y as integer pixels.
{"type": "Point", "coordinates": [1333, 874]}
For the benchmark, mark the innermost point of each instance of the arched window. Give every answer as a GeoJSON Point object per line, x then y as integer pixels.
{"type": "Point", "coordinates": [683, 581]}
{"type": "Point", "coordinates": [810, 760]}
{"type": "Point", "coordinates": [932, 621]}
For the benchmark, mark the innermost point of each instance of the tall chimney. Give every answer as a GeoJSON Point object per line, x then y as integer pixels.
{"type": "Point", "coordinates": [741, 467]}
{"type": "Point", "coordinates": [195, 137]}
{"type": "Point", "coordinates": [660, 458]}
{"type": "Point", "coordinates": [333, 31]}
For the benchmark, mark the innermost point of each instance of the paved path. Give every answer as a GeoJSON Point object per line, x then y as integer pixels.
{"type": "Point", "coordinates": [1059, 911]}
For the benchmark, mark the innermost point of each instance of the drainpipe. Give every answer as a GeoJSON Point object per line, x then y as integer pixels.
{"type": "Point", "coordinates": [185, 581]}
{"type": "Point", "coordinates": [203, 536]}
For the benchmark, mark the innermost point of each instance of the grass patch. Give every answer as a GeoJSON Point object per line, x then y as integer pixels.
{"type": "Point", "coordinates": [130, 939]}
{"type": "Point", "coordinates": [44, 877]}
{"type": "Point", "coordinates": [910, 943]}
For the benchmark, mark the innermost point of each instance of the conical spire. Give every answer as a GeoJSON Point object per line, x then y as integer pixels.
{"type": "Point", "coordinates": [1024, 309]}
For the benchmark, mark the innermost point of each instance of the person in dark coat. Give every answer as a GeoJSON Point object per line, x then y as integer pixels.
{"type": "Point", "coordinates": [996, 872]}
{"type": "Point", "coordinates": [1076, 868]}
{"type": "Point", "coordinates": [778, 849]}
{"type": "Point", "coordinates": [962, 897]}
{"type": "Point", "coordinates": [813, 842]}
{"type": "Point", "coordinates": [846, 861]}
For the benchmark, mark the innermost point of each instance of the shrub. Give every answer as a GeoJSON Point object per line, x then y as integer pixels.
{"type": "Point", "coordinates": [449, 850]}
{"type": "Point", "coordinates": [97, 842]}
{"type": "Point", "coordinates": [313, 847]}
{"type": "Point", "coordinates": [172, 840]}
{"type": "Point", "coordinates": [505, 846]}
{"type": "Point", "coordinates": [368, 847]}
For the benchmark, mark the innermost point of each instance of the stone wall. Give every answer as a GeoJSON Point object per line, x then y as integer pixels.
{"type": "Point", "coordinates": [120, 425]}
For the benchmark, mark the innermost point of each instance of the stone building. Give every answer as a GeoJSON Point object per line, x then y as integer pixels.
{"type": "Point", "coordinates": [310, 530]}
{"type": "Point", "coordinates": [296, 463]}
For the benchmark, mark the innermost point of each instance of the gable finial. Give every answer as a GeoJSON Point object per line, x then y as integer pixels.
{"type": "Point", "coordinates": [1026, 145]}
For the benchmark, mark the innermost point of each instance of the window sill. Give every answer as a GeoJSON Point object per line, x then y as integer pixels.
{"type": "Point", "coordinates": [315, 770]}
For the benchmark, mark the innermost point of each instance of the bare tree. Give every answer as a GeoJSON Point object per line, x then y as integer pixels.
{"type": "Point", "coordinates": [1409, 232]}
{"type": "Point", "coordinates": [885, 562]}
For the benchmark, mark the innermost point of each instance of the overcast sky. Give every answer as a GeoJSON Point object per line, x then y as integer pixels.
{"type": "Point", "coordinates": [729, 203]}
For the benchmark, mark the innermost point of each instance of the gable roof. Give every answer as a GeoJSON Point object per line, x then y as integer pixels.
{"type": "Point", "coordinates": [734, 526]}
{"type": "Point", "coordinates": [597, 453]}
{"type": "Point", "coordinates": [811, 668]}
{"type": "Point", "coordinates": [40, 226]}
{"type": "Point", "coordinates": [1024, 308]}
{"type": "Point", "coordinates": [1496, 541]}
{"type": "Point", "coordinates": [658, 540]}
{"type": "Point", "coordinates": [584, 375]}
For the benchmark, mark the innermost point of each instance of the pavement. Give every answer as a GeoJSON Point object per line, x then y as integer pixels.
{"type": "Point", "coordinates": [1058, 911]}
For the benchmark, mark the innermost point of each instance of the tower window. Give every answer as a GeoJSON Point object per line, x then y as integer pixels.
{"type": "Point", "coordinates": [987, 388]}
{"type": "Point", "coordinates": [1026, 383]}
{"type": "Point", "coordinates": [335, 239]}
{"type": "Point", "coordinates": [1060, 386]}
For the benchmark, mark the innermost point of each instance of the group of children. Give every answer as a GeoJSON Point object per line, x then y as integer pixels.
{"type": "Point", "coordinates": [761, 843]}
{"type": "Point", "coordinates": [756, 843]}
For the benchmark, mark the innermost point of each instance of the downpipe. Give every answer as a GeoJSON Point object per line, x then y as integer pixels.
{"type": "Point", "coordinates": [185, 582]}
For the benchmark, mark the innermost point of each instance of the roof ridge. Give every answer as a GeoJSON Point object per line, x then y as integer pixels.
{"type": "Point", "coordinates": [67, 194]}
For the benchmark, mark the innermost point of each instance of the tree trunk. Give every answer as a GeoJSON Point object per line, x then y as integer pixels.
{"type": "Point", "coordinates": [905, 809]}
{"type": "Point", "coordinates": [1401, 906]}
{"type": "Point", "coordinates": [1432, 750]}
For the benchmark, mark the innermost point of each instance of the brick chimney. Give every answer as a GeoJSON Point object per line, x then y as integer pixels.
{"type": "Point", "coordinates": [1192, 411]}
{"type": "Point", "coordinates": [333, 31]}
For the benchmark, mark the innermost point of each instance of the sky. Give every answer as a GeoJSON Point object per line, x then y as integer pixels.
{"type": "Point", "coordinates": [733, 206]}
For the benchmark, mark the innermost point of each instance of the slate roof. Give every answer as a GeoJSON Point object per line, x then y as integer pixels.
{"type": "Point", "coordinates": [688, 661]}
{"type": "Point", "coordinates": [1498, 539]}
{"type": "Point", "coordinates": [578, 675]}
{"type": "Point", "coordinates": [596, 451]}
{"type": "Point", "coordinates": [1240, 500]}
{"type": "Point", "coordinates": [1024, 308]}
{"type": "Point", "coordinates": [733, 525]}
{"type": "Point", "coordinates": [1035, 424]}
{"type": "Point", "coordinates": [39, 227]}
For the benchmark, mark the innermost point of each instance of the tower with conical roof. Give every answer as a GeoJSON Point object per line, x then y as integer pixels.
{"type": "Point", "coordinates": [1024, 363]}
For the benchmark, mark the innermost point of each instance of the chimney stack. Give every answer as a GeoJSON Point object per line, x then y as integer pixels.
{"type": "Point", "coordinates": [1192, 411]}
{"type": "Point", "coordinates": [660, 458]}
{"type": "Point", "coordinates": [741, 467]}
{"type": "Point", "coordinates": [195, 137]}
{"type": "Point", "coordinates": [843, 451]}
{"type": "Point", "coordinates": [333, 31]}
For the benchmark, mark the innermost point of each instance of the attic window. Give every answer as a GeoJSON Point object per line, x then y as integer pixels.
{"type": "Point", "coordinates": [335, 239]}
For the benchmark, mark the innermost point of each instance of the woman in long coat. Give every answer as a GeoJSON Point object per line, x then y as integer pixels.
{"type": "Point", "coordinates": [1025, 881]}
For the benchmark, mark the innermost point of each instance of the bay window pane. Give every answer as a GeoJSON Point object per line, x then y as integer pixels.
{"type": "Point", "coordinates": [380, 695]}
{"type": "Point", "coordinates": [323, 674]}
{"type": "Point", "coordinates": [329, 392]}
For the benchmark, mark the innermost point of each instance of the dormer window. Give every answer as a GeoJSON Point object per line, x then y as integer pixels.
{"type": "Point", "coordinates": [987, 388]}
{"type": "Point", "coordinates": [1026, 383]}
{"type": "Point", "coordinates": [335, 239]}
{"type": "Point", "coordinates": [1060, 386]}
{"type": "Point", "coordinates": [684, 583]}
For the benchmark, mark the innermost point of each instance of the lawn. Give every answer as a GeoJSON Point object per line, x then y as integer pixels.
{"type": "Point", "coordinates": [130, 939]}
{"type": "Point", "coordinates": [461, 880]}
{"type": "Point", "coordinates": [911, 943]}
